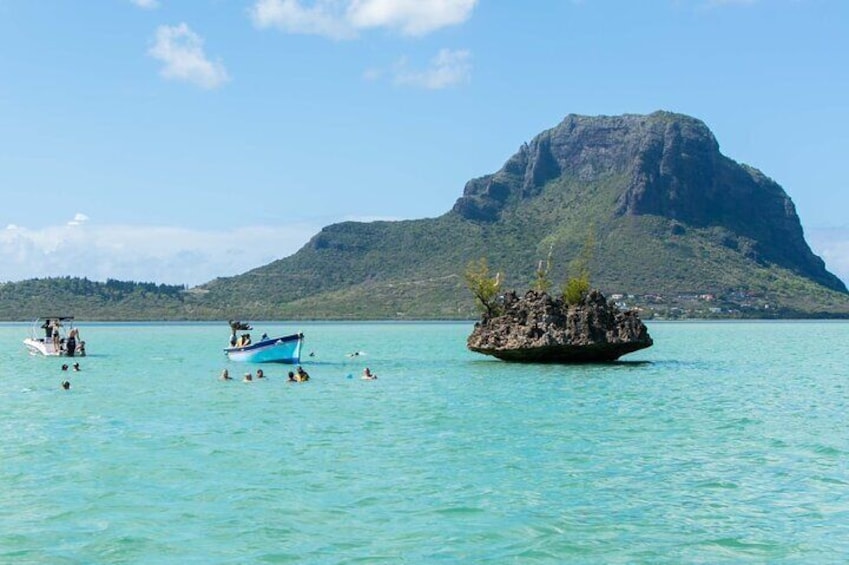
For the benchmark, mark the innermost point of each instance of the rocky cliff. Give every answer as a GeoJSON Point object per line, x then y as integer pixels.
{"type": "Point", "coordinates": [665, 165]}
{"type": "Point", "coordinates": [542, 329]}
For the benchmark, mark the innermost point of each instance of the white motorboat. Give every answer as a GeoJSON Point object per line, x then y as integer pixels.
{"type": "Point", "coordinates": [54, 336]}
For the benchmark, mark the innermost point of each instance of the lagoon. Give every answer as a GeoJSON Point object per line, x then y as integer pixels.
{"type": "Point", "coordinates": [723, 443]}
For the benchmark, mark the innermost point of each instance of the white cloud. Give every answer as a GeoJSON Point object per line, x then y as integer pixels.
{"type": "Point", "coordinates": [323, 18]}
{"type": "Point", "coordinates": [181, 51]}
{"type": "Point", "coordinates": [344, 19]}
{"type": "Point", "coordinates": [448, 68]}
{"type": "Point", "coordinates": [79, 219]}
{"type": "Point", "coordinates": [832, 244]}
{"type": "Point", "coordinates": [411, 17]}
{"type": "Point", "coordinates": [146, 4]}
{"type": "Point", "coordinates": [170, 255]}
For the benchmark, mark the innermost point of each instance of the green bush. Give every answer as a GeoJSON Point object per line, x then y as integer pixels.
{"type": "Point", "coordinates": [575, 289]}
{"type": "Point", "coordinates": [484, 287]}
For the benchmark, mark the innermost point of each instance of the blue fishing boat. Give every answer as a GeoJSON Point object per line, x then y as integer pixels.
{"type": "Point", "coordinates": [281, 349]}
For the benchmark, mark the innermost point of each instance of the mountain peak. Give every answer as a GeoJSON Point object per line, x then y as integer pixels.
{"type": "Point", "coordinates": [586, 148]}
{"type": "Point", "coordinates": [664, 165]}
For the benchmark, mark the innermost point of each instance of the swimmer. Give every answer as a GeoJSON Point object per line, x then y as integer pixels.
{"type": "Point", "coordinates": [248, 378]}
{"type": "Point", "coordinates": [76, 366]}
{"type": "Point", "coordinates": [292, 377]}
{"type": "Point", "coordinates": [66, 385]}
{"type": "Point", "coordinates": [64, 367]}
{"type": "Point", "coordinates": [368, 375]}
{"type": "Point", "coordinates": [302, 375]}
{"type": "Point", "coordinates": [225, 375]}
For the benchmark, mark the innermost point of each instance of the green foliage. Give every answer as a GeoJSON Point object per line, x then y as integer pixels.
{"type": "Point", "coordinates": [578, 285]}
{"type": "Point", "coordinates": [575, 289]}
{"type": "Point", "coordinates": [542, 283]}
{"type": "Point", "coordinates": [484, 287]}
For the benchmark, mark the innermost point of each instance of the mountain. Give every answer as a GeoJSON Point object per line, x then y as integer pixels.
{"type": "Point", "coordinates": [673, 222]}
{"type": "Point", "coordinates": [666, 222]}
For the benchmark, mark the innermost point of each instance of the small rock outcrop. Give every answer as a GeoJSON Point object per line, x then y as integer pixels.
{"type": "Point", "coordinates": [537, 328]}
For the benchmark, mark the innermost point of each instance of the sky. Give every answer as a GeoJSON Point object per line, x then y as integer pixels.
{"type": "Point", "coordinates": [176, 141]}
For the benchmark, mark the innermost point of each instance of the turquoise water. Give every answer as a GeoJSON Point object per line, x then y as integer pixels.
{"type": "Point", "coordinates": [723, 443]}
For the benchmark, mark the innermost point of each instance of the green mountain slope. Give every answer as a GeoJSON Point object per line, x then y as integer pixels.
{"type": "Point", "coordinates": [671, 217]}
{"type": "Point", "coordinates": [677, 228]}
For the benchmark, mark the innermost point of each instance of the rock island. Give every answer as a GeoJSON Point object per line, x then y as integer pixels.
{"type": "Point", "coordinates": [537, 328]}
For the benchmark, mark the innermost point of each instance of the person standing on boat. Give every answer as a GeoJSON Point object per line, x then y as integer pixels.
{"type": "Point", "coordinates": [47, 326]}
{"type": "Point", "coordinates": [55, 334]}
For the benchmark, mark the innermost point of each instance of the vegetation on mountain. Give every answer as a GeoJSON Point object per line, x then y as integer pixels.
{"type": "Point", "coordinates": [678, 229]}
{"type": "Point", "coordinates": [90, 300]}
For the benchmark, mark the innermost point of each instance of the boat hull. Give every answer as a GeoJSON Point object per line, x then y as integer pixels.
{"type": "Point", "coordinates": [285, 349]}
{"type": "Point", "coordinates": [41, 347]}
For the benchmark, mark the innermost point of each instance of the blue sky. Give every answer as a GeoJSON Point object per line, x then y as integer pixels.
{"type": "Point", "coordinates": [175, 141]}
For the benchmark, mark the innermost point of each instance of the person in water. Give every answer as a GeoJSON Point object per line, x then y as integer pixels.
{"type": "Point", "coordinates": [225, 375]}
{"type": "Point", "coordinates": [302, 375]}
{"type": "Point", "coordinates": [76, 366]}
{"type": "Point", "coordinates": [71, 342]}
{"type": "Point", "coordinates": [368, 375]}
{"type": "Point", "coordinates": [66, 385]}
{"type": "Point", "coordinates": [248, 378]}
{"type": "Point", "coordinates": [260, 374]}
{"type": "Point", "coordinates": [292, 378]}
{"type": "Point", "coordinates": [64, 367]}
